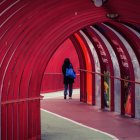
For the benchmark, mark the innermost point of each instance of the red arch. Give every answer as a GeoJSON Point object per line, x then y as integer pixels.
{"type": "Point", "coordinates": [96, 40]}
{"type": "Point", "coordinates": [35, 36]}
{"type": "Point", "coordinates": [115, 41]}
{"type": "Point", "coordinates": [88, 68]}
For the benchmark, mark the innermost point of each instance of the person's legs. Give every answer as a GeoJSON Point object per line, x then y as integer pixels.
{"type": "Point", "coordinates": [70, 90]}
{"type": "Point", "coordinates": [65, 90]}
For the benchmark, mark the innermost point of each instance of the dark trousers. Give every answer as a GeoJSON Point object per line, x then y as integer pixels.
{"type": "Point", "coordinates": [66, 87]}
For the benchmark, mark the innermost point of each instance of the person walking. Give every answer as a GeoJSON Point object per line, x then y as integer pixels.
{"type": "Point", "coordinates": [67, 80]}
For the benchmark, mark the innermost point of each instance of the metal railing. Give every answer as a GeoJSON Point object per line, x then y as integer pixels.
{"type": "Point", "coordinates": [21, 100]}
{"type": "Point", "coordinates": [110, 76]}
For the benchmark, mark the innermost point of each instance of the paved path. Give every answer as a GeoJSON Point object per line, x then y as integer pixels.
{"type": "Point", "coordinates": [55, 127]}
{"type": "Point", "coordinates": [121, 127]}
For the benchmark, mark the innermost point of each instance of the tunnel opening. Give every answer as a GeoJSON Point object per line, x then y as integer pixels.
{"type": "Point", "coordinates": [29, 38]}
{"type": "Point", "coordinates": [53, 72]}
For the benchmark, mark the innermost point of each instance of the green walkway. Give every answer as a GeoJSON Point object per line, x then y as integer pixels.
{"type": "Point", "coordinates": [54, 127]}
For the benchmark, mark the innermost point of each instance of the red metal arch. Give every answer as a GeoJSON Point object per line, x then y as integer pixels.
{"type": "Point", "coordinates": [83, 96]}
{"type": "Point", "coordinates": [133, 40]}
{"type": "Point", "coordinates": [45, 34]}
{"type": "Point", "coordinates": [114, 40]}
{"type": "Point", "coordinates": [88, 67]}
{"type": "Point", "coordinates": [97, 40]}
{"type": "Point", "coordinates": [127, 33]}
{"type": "Point", "coordinates": [85, 41]}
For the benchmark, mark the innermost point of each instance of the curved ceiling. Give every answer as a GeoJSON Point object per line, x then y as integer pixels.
{"type": "Point", "coordinates": [32, 30]}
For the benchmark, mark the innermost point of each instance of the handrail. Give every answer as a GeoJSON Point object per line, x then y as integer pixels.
{"type": "Point", "coordinates": [56, 74]}
{"type": "Point", "coordinates": [109, 76]}
{"type": "Point", "coordinates": [22, 100]}
{"type": "Point", "coordinates": [53, 73]}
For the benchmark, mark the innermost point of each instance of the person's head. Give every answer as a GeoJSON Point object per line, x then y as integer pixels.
{"type": "Point", "coordinates": [67, 61]}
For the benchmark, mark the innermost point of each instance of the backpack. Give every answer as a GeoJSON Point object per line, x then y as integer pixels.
{"type": "Point", "coordinates": [70, 73]}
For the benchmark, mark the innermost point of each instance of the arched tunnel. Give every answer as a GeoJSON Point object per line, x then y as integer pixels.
{"type": "Point", "coordinates": [106, 40]}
